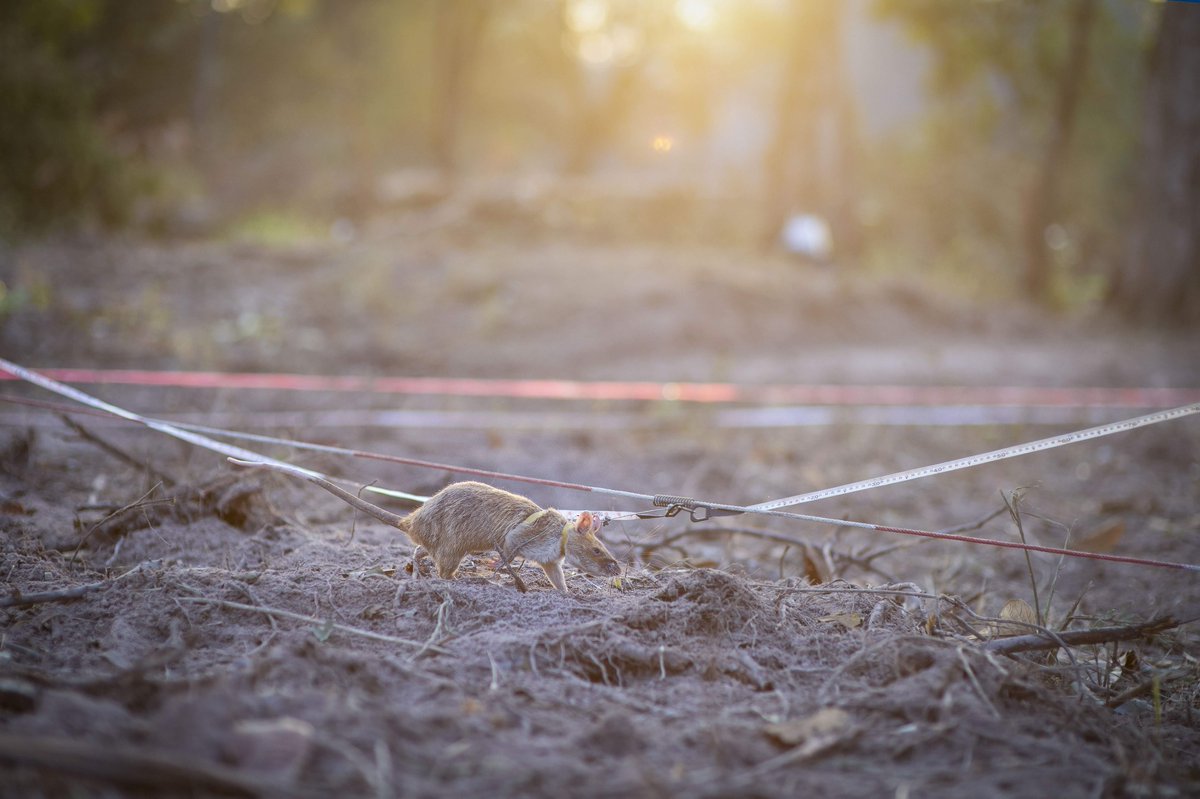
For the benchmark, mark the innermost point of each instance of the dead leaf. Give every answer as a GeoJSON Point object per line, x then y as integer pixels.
{"type": "Point", "coordinates": [1104, 539]}
{"type": "Point", "coordinates": [1015, 610]}
{"type": "Point", "coordinates": [815, 569]}
{"type": "Point", "coordinates": [373, 571]}
{"type": "Point", "coordinates": [848, 620]}
{"type": "Point", "coordinates": [814, 734]}
{"type": "Point", "coordinates": [1018, 610]}
{"type": "Point", "coordinates": [374, 612]}
{"type": "Point", "coordinates": [278, 747]}
{"type": "Point", "coordinates": [11, 507]}
{"type": "Point", "coordinates": [1127, 665]}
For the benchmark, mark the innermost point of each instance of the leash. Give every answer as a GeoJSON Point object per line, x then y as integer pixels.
{"type": "Point", "coordinates": [97, 408]}
{"type": "Point", "coordinates": [698, 510]}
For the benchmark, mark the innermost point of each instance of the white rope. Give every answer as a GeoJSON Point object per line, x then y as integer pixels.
{"type": "Point", "coordinates": [229, 450]}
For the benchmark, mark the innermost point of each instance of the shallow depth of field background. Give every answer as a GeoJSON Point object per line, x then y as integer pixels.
{"type": "Point", "coordinates": [1001, 149]}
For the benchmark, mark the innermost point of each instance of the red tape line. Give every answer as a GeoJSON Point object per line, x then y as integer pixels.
{"type": "Point", "coordinates": [1136, 397]}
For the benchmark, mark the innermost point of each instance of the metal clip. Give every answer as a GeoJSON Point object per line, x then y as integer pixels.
{"type": "Point", "coordinates": [698, 511]}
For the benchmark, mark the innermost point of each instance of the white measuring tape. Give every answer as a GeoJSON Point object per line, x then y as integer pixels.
{"type": "Point", "coordinates": [987, 457]}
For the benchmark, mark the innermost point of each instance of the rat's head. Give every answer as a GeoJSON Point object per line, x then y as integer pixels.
{"type": "Point", "coordinates": [585, 551]}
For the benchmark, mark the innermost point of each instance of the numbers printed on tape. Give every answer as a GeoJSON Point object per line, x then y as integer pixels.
{"type": "Point", "coordinates": [976, 460]}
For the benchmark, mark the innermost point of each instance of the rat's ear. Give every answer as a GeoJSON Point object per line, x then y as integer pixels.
{"type": "Point", "coordinates": [586, 523]}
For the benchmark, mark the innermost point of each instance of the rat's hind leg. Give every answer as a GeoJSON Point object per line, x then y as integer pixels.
{"type": "Point", "coordinates": [418, 551]}
{"type": "Point", "coordinates": [447, 566]}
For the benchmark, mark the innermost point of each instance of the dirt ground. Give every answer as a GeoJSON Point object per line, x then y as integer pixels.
{"type": "Point", "coordinates": [245, 634]}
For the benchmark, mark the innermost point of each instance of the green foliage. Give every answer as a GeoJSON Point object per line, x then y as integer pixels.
{"type": "Point", "coordinates": [947, 206]}
{"type": "Point", "coordinates": [112, 107]}
{"type": "Point", "coordinates": [276, 228]}
{"type": "Point", "coordinates": [54, 162]}
{"type": "Point", "coordinates": [971, 165]}
{"type": "Point", "coordinates": [30, 291]}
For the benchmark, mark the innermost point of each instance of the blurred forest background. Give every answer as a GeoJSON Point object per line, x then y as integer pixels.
{"type": "Point", "coordinates": [1013, 148]}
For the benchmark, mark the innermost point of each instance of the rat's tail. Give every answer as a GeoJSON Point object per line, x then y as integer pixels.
{"type": "Point", "coordinates": [387, 517]}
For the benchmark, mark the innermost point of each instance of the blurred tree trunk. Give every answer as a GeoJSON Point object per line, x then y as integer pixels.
{"type": "Point", "coordinates": [205, 85]}
{"type": "Point", "coordinates": [809, 164]}
{"type": "Point", "coordinates": [458, 28]}
{"type": "Point", "coordinates": [1043, 200]}
{"type": "Point", "coordinates": [600, 111]}
{"type": "Point", "coordinates": [794, 93]}
{"type": "Point", "coordinates": [602, 98]}
{"type": "Point", "coordinates": [1160, 279]}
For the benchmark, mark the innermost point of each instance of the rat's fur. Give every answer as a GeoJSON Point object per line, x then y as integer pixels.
{"type": "Point", "coordinates": [473, 517]}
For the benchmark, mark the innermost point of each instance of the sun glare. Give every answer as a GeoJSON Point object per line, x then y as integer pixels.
{"type": "Point", "coordinates": [697, 15]}
{"type": "Point", "coordinates": [586, 16]}
{"type": "Point", "coordinates": [596, 48]}
{"type": "Point", "coordinates": [662, 144]}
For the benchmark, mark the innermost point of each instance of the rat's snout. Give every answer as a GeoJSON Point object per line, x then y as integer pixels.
{"type": "Point", "coordinates": [603, 563]}
{"type": "Point", "coordinates": [602, 568]}
{"type": "Point", "coordinates": [594, 558]}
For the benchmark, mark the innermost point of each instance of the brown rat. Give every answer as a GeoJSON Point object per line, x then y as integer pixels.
{"type": "Point", "coordinates": [473, 517]}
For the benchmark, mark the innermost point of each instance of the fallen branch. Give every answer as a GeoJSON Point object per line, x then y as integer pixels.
{"type": "Point", "coordinates": [325, 623]}
{"type": "Point", "coordinates": [17, 599]}
{"type": "Point", "coordinates": [1099, 635]}
{"type": "Point", "coordinates": [883, 591]}
{"type": "Point", "coordinates": [117, 452]}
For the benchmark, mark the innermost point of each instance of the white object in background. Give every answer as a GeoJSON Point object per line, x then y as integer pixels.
{"type": "Point", "coordinates": [807, 235]}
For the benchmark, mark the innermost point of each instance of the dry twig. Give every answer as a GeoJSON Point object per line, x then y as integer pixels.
{"type": "Point", "coordinates": [141, 502]}
{"type": "Point", "coordinates": [118, 453]}
{"type": "Point", "coordinates": [18, 599]}
{"type": "Point", "coordinates": [1099, 635]}
{"type": "Point", "coordinates": [323, 623]}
